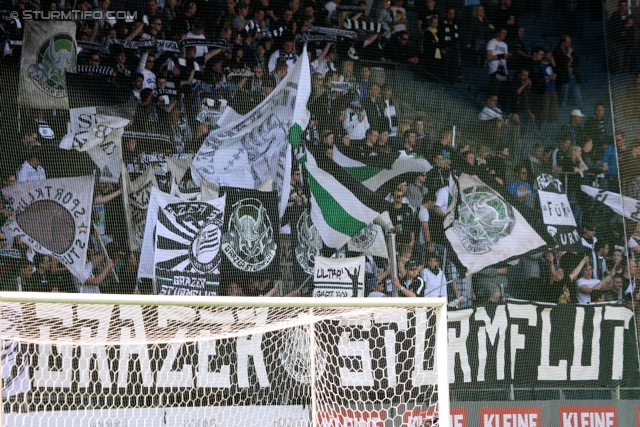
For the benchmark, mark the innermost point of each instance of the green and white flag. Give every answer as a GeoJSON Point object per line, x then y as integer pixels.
{"type": "Point", "coordinates": [244, 150]}
{"type": "Point", "coordinates": [341, 207]}
{"type": "Point", "coordinates": [483, 228]}
{"type": "Point", "coordinates": [373, 176]}
{"type": "Point", "coordinates": [48, 52]}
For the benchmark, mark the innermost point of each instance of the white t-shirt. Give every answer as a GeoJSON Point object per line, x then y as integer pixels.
{"type": "Point", "coordinates": [423, 216]}
{"type": "Point", "coordinates": [398, 14]}
{"type": "Point", "coordinates": [26, 172]}
{"type": "Point", "coordinates": [200, 50]}
{"type": "Point", "coordinates": [497, 48]}
{"type": "Point", "coordinates": [585, 298]}
{"type": "Point", "coordinates": [322, 67]}
{"type": "Point", "coordinates": [433, 283]}
{"type": "Point", "coordinates": [442, 199]}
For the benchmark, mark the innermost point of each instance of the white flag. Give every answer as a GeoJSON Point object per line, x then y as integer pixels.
{"type": "Point", "coordinates": [100, 136]}
{"type": "Point", "coordinates": [244, 150]}
{"type": "Point", "coordinates": [338, 277]}
{"type": "Point", "coordinates": [49, 51]}
{"type": "Point", "coordinates": [53, 216]}
{"type": "Point", "coordinates": [139, 195]}
{"type": "Point", "coordinates": [483, 228]}
{"type": "Point", "coordinates": [370, 241]}
{"type": "Point", "coordinates": [622, 205]}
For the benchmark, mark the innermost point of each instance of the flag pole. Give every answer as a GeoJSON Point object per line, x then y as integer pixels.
{"type": "Point", "coordinates": [453, 137]}
{"type": "Point", "coordinates": [393, 262]}
{"type": "Point", "coordinates": [124, 177]}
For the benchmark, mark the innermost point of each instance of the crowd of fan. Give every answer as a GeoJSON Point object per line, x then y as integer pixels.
{"type": "Point", "coordinates": [358, 110]}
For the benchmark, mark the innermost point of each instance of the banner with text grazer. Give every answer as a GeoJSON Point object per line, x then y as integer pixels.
{"type": "Point", "coordinates": [178, 350]}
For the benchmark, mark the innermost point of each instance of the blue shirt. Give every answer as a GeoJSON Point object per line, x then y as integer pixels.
{"type": "Point", "coordinates": [519, 190]}
{"type": "Point", "coordinates": [611, 159]}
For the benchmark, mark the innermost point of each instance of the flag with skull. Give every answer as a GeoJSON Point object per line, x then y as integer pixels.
{"type": "Point", "coordinates": [48, 53]}
{"type": "Point", "coordinates": [250, 239]}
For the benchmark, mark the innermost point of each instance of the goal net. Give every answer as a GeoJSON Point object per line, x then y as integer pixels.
{"type": "Point", "coordinates": [161, 361]}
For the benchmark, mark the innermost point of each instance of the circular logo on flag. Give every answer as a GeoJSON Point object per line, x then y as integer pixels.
{"type": "Point", "coordinates": [57, 233]}
{"type": "Point", "coordinates": [484, 218]}
{"type": "Point", "coordinates": [54, 58]}
{"type": "Point", "coordinates": [203, 251]}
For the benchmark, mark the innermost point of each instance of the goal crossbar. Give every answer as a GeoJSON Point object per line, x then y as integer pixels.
{"type": "Point", "coordinates": [438, 304]}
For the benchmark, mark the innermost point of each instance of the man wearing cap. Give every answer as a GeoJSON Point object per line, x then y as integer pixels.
{"type": "Point", "coordinates": [575, 126]}
{"type": "Point", "coordinates": [412, 285]}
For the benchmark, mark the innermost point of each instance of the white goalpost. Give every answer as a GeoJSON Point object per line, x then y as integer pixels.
{"type": "Point", "coordinates": [133, 360]}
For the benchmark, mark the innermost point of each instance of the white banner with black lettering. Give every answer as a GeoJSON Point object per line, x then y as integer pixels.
{"type": "Point", "coordinates": [53, 217]}
{"type": "Point", "coordinates": [338, 277]}
{"type": "Point", "coordinates": [100, 136]}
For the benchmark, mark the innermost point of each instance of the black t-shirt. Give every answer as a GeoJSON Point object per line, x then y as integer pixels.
{"type": "Point", "coordinates": [404, 217]}
{"type": "Point", "coordinates": [424, 14]}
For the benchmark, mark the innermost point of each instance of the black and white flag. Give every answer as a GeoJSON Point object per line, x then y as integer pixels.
{"type": "Point", "coordinates": [251, 240]}
{"type": "Point", "coordinates": [139, 195]}
{"type": "Point", "coordinates": [100, 136]}
{"type": "Point", "coordinates": [187, 247]}
{"type": "Point", "coordinates": [338, 277]}
{"type": "Point", "coordinates": [483, 228]}
{"type": "Point", "coordinates": [309, 243]}
{"type": "Point", "coordinates": [556, 211]}
{"type": "Point", "coordinates": [53, 217]}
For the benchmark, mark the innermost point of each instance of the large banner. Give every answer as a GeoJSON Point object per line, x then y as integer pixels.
{"type": "Point", "coordinates": [187, 249]}
{"type": "Point", "coordinates": [53, 216]}
{"type": "Point", "coordinates": [251, 235]}
{"type": "Point", "coordinates": [515, 343]}
{"type": "Point", "coordinates": [48, 52]}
